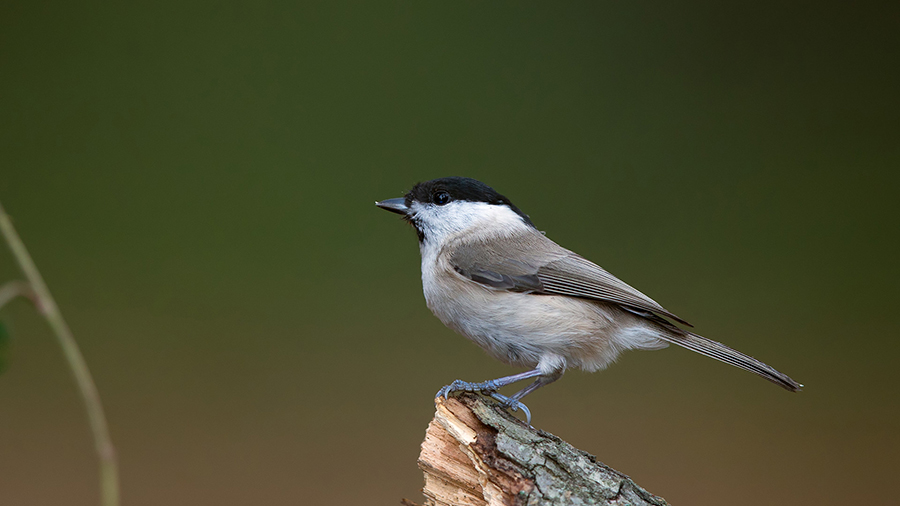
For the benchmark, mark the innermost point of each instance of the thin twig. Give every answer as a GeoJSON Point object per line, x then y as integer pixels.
{"type": "Point", "coordinates": [109, 470]}
{"type": "Point", "coordinates": [12, 289]}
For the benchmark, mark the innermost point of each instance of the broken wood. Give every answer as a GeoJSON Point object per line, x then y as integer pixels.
{"type": "Point", "coordinates": [476, 453]}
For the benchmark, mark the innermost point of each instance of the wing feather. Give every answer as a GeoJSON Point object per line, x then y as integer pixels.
{"type": "Point", "coordinates": [531, 263]}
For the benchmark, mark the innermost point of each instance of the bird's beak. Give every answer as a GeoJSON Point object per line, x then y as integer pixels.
{"type": "Point", "coordinates": [394, 205]}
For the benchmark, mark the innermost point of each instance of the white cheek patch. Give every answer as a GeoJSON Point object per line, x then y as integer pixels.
{"type": "Point", "coordinates": [439, 222]}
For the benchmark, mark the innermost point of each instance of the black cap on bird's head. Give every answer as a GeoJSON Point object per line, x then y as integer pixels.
{"type": "Point", "coordinates": [445, 190]}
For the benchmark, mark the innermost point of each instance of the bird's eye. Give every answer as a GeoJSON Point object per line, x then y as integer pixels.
{"type": "Point", "coordinates": [441, 198]}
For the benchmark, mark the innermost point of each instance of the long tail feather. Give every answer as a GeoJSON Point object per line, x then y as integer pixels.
{"type": "Point", "coordinates": [719, 351]}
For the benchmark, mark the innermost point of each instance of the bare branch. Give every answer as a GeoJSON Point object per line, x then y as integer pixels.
{"type": "Point", "coordinates": [109, 470]}
{"type": "Point", "coordinates": [13, 289]}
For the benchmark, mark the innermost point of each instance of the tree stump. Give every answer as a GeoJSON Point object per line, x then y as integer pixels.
{"type": "Point", "coordinates": [476, 453]}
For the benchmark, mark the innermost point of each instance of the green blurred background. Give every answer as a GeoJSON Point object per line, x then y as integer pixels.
{"type": "Point", "coordinates": [196, 182]}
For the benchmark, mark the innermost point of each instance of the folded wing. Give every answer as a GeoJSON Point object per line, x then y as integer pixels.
{"type": "Point", "coordinates": [531, 263]}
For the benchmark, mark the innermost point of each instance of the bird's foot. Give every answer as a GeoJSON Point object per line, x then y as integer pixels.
{"type": "Point", "coordinates": [485, 387]}
{"type": "Point", "coordinates": [488, 388]}
{"type": "Point", "coordinates": [513, 404]}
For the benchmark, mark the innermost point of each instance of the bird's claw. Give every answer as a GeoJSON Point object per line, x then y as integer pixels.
{"type": "Point", "coordinates": [488, 388]}
{"type": "Point", "coordinates": [513, 404]}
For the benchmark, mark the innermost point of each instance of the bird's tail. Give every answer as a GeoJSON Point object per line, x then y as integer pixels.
{"type": "Point", "coordinates": [719, 351]}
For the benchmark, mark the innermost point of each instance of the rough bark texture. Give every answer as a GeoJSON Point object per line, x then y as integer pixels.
{"type": "Point", "coordinates": [476, 453]}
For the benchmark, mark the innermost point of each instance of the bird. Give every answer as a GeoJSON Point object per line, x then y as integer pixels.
{"type": "Point", "coordinates": [489, 274]}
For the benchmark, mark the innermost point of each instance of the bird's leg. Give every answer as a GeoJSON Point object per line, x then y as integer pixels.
{"type": "Point", "coordinates": [538, 383]}
{"type": "Point", "coordinates": [513, 403]}
{"type": "Point", "coordinates": [490, 387]}
{"type": "Point", "coordinates": [486, 387]}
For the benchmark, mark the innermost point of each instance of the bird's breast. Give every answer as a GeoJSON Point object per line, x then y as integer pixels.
{"type": "Point", "coordinates": [514, 327]}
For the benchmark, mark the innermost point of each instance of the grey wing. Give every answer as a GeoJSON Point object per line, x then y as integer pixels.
{"type": "Point", "coordinates": [531, 263]}
{"type": "Point", "coordinates": [578, 277]}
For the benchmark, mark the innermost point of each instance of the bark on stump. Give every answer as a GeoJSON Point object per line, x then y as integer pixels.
{"type": "Point", "coordinates": [476, 453]}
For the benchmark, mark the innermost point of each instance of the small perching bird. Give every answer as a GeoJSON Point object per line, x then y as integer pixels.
{"type": "Point", "coordinates": [490, 275]}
